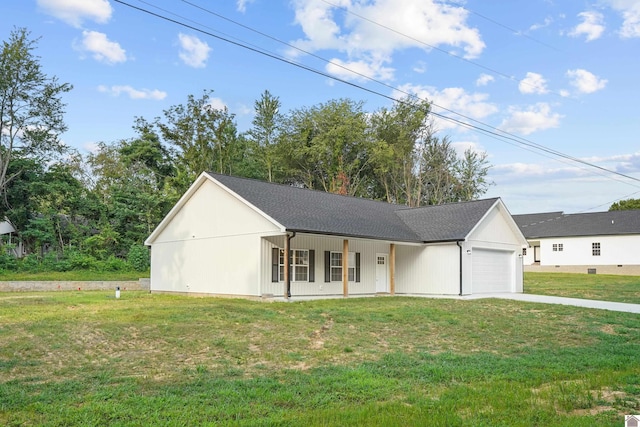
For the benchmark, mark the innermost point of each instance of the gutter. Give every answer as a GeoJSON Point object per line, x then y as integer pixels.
{"type": "Point", "coordinates": [458, 242]}
{"type": "Point", "coordinates": [288, 245]}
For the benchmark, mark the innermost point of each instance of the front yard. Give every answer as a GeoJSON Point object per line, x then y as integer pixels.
{"type": "Point", "coordinates": [85, 358]}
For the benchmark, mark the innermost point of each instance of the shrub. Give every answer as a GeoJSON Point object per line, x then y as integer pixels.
{"type": "Point", "coordinates": [138, 257]}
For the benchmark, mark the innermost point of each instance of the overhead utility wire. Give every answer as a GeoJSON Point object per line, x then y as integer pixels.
{"type": "Point", "coordinates": [461, 58]}
{"type": "Point", "coordinates": [500, 24]}
{"type": "Point", "coordinates": [503, 135]}
{"type": "Point", "coordinates": [518, 139]}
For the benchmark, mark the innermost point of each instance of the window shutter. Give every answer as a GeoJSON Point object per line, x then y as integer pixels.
{"type": "Point", "coordinates": [357, 266]}
{"type": "Point", "coordinates": [327, 266]}
{"type": "Point", "coordinates": [275, 264]}
{"type": "Point", "coordinates": [312, 265]}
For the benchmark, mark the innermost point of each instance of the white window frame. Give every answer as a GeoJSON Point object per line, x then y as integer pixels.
{"type": "Point", "coordinates": [336, 267]}
{"type": "Point", "coordinates": [299, 265]}
{"type": "Point", "coordinates": [558, 247]}
{"type": "Point", "coordinates": [595, 249]}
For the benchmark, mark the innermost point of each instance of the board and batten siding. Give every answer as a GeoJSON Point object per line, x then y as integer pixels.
{"type": "Point", "coordinates": [366, 248]}
{"type": "Point", "coordinates": [211, 245]}
{"type": "Point", "coordinates": [493, 249]}
{"type": "Point", "coordinates": [432, 269]}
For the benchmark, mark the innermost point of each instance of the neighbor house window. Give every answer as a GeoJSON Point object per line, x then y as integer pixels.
{"type": "Point", "coordinates": [557, 247]}
{"type": "Point", "coordinates": [595, 249]}
{"type": "Point", "coordinates": [299, 262]}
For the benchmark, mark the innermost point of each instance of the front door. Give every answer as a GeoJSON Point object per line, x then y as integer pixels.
{"type": "Point", "coordinates": [382, 273]}
{"type": "Point", "coordinates": [536, 254]}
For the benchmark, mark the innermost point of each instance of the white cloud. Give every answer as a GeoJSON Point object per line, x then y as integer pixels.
{"type": "Point", "coordinates": [547, 21]}
{"type": "Point", "coordinates": [474, 105]}
{"type": "Point", "coordinates": [585, 81]}
{"type": "Point", "coordinates": [101, 48]}
{"type": "Point", "coordinates": [217, 104]}
{"type": "Point", "coordinates": [591, 26]}
{"type": "Point", "coordinates": [630, 11]}
{"type": "Point", "coordinates": [535, 118]}
{"type": "Point", "coordinates": [422, 24]}
{"type": "Point", "coordinates": [74, 12]}
{"type": "Point", "coordinates": [360, 70]}
{"type": "Point", "coordinates": [484, 79]}
{"type": "Point", "coordinates": [133, 93]}
{"type": "Point", "coordinates": [193, 51]}
{"type": "Point", "coordinates": [533, 83]}
{"type": "Point", "coordinates": [242, 5]}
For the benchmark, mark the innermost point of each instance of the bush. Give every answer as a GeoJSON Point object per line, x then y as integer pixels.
{"type": "Point", "coordinates": [138, 257]}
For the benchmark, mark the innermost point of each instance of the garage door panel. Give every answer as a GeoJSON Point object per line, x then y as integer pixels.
{"type": "Point", "coordinates": [492, 271]}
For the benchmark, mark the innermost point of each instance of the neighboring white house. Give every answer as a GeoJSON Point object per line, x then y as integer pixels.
{"type": "Point", "coordinates": [229, 236]}
{"type": "Point", "coordinates": [598, 242]}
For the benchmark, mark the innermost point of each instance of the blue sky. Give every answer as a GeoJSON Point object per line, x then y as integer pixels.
{"type": "Point", "coordinates": [560, 74]}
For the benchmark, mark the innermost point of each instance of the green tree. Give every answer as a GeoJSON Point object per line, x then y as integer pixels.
{"type": "Point", "coordinates": [400, 133]}
{"type": "Point", "coordinates": [472, 171]}
{"type": "Point", "coordinates": [438, 164]}
{"type": "Point", "coordinates": [267, 124]}
{"type": "Point", "coordinates": [31, 109]}
{"type": "Point", "coordinates": [327, 147]}
{"type": "Point", "coordinates": [625, 205]}
{"type": "Point", "coordinates": [199, 136]}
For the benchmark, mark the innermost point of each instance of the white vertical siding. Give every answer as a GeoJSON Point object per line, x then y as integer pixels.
{"type": "Point", "coordinates": [212, 245]}
{"type": "Point", "coordinates": [366, 248]}
{"type": "Point", "coordinates": [433, 269]}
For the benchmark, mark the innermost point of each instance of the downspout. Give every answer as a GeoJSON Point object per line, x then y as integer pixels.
{"type": "Point", "coordinates": [460, 246]}
{"type": "Point", "coordinates": [288, 245]}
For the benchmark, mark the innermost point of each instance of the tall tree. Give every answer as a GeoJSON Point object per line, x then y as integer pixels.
{"type": "Point", "coordinates": [401, 132]}
{"type": "Point", "coordinates": [265, 132]}
{"type": "Point", "coordinates": [438, 163]}
{"type": "Point", "coordinates": [31, 108]}
{"type": "Point", "coordinates": [472, 171]}
{"type": "Point", "coordinates": [200, 136]}
{"type": "Point", "coordinates": [327, 147]}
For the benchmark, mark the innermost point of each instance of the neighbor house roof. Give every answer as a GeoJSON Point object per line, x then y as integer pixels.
{"type": "Point", "coordinates": [557, 224]}
{"type": "Point", "coordinates": [304, 210]}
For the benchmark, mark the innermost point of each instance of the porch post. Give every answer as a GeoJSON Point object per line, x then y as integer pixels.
{"type": "Point", "coordinates": [286, 266]}
{"type": "Point", "coordinates": [392, 269]}
{"type": "Point", "coordinates": [345, 268]}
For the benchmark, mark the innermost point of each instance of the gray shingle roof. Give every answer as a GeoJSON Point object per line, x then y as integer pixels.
{"type": "Point", "coordinates": [448, 222]}
{"type": "Point", "coordinates": [304, 210]}
{"type": "Point", "coordinates": [557, 224]}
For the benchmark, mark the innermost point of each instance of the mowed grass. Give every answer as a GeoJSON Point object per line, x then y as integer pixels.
{"type": "Point", "coordinates": [85, 358]}
{"type": "Point", "coordinates": [589, 286]}
{"type": "Point", "coordinates": [73, 275]}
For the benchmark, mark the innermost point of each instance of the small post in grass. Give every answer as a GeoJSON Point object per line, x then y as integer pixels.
{"type": "Point", "coordinates": [117, 292]}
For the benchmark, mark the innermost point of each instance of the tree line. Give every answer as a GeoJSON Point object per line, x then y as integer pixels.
{"type": "Point", "coordinates": [74, 210]}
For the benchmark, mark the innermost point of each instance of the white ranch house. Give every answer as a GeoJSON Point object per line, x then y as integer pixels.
{"type": "Point", "coordinates": [228, 236]}
{"type": "Point", "coordinates": [597, 242]}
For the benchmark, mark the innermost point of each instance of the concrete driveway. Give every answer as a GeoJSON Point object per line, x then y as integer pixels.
{"type": "Point", "coordinates": [577, 302]}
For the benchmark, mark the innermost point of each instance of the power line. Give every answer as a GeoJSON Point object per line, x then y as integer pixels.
{"type": "Point", "coordinates": [509, 136]}
{"type": "Point", "coordinates": [488, 130]}
{"type": "Point", "coordinates": [461, 58]}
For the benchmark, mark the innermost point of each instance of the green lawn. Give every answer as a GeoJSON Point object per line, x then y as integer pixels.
{"type": "Point", "coordinates": [85, 358]}
{"type": "Point", "coordinates": [589, 286]}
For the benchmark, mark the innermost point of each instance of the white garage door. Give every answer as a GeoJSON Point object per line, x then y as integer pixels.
{"type": "Point", "coordinates": [492, 271]}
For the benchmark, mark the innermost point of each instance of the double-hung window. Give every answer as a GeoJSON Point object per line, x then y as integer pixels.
{"type": "Point", "coordinates": [336, 266]}
{"type": "Point", "coordinates": [299, 264]}
{"type": "Point", "coordinates": [595, 249]}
